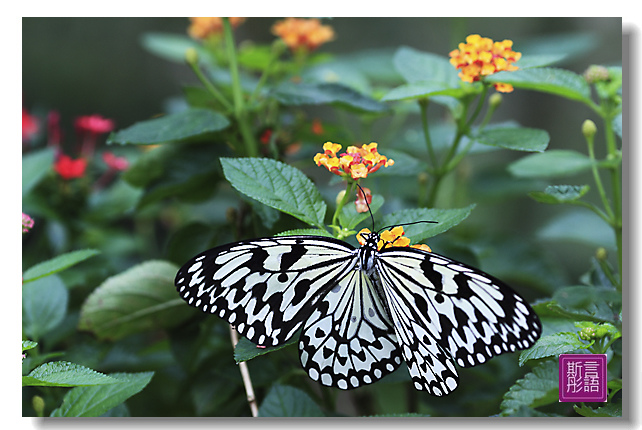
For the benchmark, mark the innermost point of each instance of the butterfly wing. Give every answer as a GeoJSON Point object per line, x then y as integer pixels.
{"type": "Point", "coordinates": [348, 340]}
{"type": "Point", "coordinates": [446, 311]}
{"type": "Point", "coordinates": [265, 287]}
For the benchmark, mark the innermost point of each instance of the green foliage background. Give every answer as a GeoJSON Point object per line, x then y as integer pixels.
{"type": "Point", "coordinates": [105, 332]}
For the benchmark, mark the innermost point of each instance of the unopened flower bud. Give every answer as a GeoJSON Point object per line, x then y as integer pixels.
{"type": "Point", "coordinates": [601, 254]}
{"type": "Point", "coordinates": [596, 73]}
{"type": "Point", "coordinates": [38, 404]}
{"type": "Point", "coordinates": [589, 129]}
{"type": "Point", "coordinates": [495, 100]}
{"type": "Point", "coordinates": [340, 196]}
{"type": "Point", "coordinates": [191, 56]}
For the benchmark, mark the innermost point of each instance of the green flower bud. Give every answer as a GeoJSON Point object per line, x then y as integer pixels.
{"type": "Point", "coordinates": [495, 100]}
{"type": "Point", "coordinates": [191, 56]}
{"type": "Point", "coordinates": [601, 254]}
{"type": "Point", "coordinates": [38, 405]}
{"type": "Point", "coordinates": [589, 129]}
{"type": "Point", "coordinates": [596, 73]}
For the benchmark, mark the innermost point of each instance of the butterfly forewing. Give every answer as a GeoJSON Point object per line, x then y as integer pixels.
{"type": "Point", "coordinates": [266, 287]}
{"type": "Point", "coordinates": [467, 312]}
{"type": "Point", "coordinates": [348, 340]}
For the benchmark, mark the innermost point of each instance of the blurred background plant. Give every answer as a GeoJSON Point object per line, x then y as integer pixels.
{"type": "Point", "coordinates": [127, 208]}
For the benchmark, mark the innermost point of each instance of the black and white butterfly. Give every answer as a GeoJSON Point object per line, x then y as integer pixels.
{"type": "Point", "coordinates": [361, 311]}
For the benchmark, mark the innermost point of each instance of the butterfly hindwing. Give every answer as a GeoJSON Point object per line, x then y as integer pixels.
{"type": "Point", "coordinates": [265, 287]}
{"type": "Point", "coordinates": [459, 310]}
{"type": "Point", "coordinates": [348, 340]}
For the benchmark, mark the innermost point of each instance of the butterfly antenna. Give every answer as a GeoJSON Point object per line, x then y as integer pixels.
{"type": "Point", "coordinates": [407, 223]}
{"type": "Point", "coordinates": [369, 210]}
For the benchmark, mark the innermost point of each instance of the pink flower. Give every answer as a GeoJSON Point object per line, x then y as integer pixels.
{"type": "Point", "coordinates": [363, 200]}
{"type": "Point", "coordinates": [94, 124]}
{"type": "Point", "coordinates": [114, 162]}
{"type": "Point", "coordinates": [69, 168]}
{"type": "Point", "coordinates": [29, 125]}
{"type": "Point", "coordinates": [27, 222]}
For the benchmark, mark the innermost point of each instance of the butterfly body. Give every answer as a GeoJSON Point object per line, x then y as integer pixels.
{"type": "Point", "coordinates": [361, 311]}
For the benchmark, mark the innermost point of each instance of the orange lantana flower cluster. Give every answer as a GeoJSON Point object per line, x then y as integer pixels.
{"type": "Point", "coordinates": [355, 162]}
{"type": "Point", "coordinates": [480, 57]}
{"type": "Point", "coordinates": [390, 238]}
{"type": "Point", "coordinates": [203, 27]}
{"type": "Point", "coordinates": [305, 34]}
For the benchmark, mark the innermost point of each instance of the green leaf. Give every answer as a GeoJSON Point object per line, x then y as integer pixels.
{"type": "Point", "coordinates": [556, 194]}
{"type": "Point", "coordinates": [277, 185]}
{"type": "Point", "coordinates": [349, 218]}
{"type": "Point", "coordinates": [189, 171]}
{"type": "Point", "coordinates": [65, 374]}
{"type": "Point", "coordinates": [608, 410]}
{"type": "Point", "coordinates": [579, 226]}
{"type": "Point", "coordinates": [560, 82]}
{"type": "Point", "coordinates": [35, 165]}
{"type": "Point", "coordinates": [44, 306]}
{"type": "Point", "coordinates": [338, 95]}
{"type": "Point", "coordinates": [537, 388]}
{"type": "Point", "coordinates": [446, 219]}
{"type": "Point", "coordinates": [515, 138]}
{"type": "Point", "coordinates": [171, 46]}
{"type": "Point", "coordinates": [286, 401]}
{"type": "Point", "coordinates": [582, 303]}
{"type": "Point", "coordinates": [246, 350]}
{"type": "Point", "coordinates": [95, 401]}
{"type": "Point", "coordinates": [28, 344]}
{"type": "Point", "coordinates": [417, 66]}
{"type": "Point", "coordinates": [553, 345]}
{"type": "Point", "coordinates": [553, 163]}
{"type": "Point", "coordinates": [181, 126]}
{"type": "Point", "coordinates": [422, 89]}
{"type": "Point", "coordinates": [305, 232]}
{"type": "Point", "coordinates": [139, 299]}
{"type": "Point", "coordinates": [57, 264]}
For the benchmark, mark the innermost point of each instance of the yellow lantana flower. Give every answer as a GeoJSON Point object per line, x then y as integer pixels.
{"type": "Point", "coordinates": [203, 27]}
{"type": "Point", "coordinates": [389, 238]}
{"type": "Point", "coordinates": [300, 33]}
{"type": "Point", "coordinates": [355, 162]}
{"type": "Point", "coordinates": [480, 57]}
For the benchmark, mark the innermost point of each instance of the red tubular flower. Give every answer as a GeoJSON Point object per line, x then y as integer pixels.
{"type": "Point", "coordinates": [29, 125]}
{"type": "Point", "coordinates": [114, 162]}
{"type": "Point", "coordinates": [69, 168]}
{"type": "Point", "coordinates": [94, 124]}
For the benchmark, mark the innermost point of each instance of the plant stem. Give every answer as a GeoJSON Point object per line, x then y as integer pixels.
{"type": "Point", "coordinates": [423, 105]}
{"type": "Point", "coordinates": [616, 185]}
{"type": "Point", "coordinates": [344, 200]}
{"type": "Point", "coordinates": [210, 87]}
{"type": "Point", "coordinates": [237, 92]}
{"type": "Point", "coordinates": [245, 374]}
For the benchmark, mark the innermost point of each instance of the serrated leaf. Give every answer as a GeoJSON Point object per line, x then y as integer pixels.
{"type": "Point", "coordinates": [44, 306]}
{"type": "Point", "coordinates": [141, 298]}
{"type": "Point", "coordinates": [326, 93]}
{"type": "Point", "coordinates": [35, 165]}
{"type": "Point", "coordinates": [277, 185]}
{"type": "Point", "coordinates": [349, 217]}
{"type": "Point", "coordinates": [57, 264]}
{"type": "Point", "coordinates": [246, 350]}
{"type": "Point", "coordinates": [445, 218]}
{"type": "Point", "coordinates": [515, 138]}
{"type": "Point", "coordinates": [95, 401]}
{"type": "Point", "coordinates": [286, 401]}
{"type": "Point", "coordinates": [553, 345]}
{"type": "Point", "coordinates": [553, 163]}
{"type": "Point", "coordinates": [537, 388]}
{"type": "Point", "coordinates": [546, 79]}
{"type": "Point", "coordinates": [65, 374]}
{"type": "Point", "coordinates": [180, 126]}
{"type": "Point", "coordinates": [557, 194]}
{"type": "Point", "coordinates": [608, 410]}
